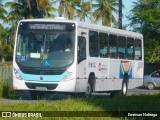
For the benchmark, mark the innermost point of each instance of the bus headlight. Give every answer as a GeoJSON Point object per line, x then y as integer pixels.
{"type": "Point", "coordinates": [18, 76]}
{"type": "Point", "coordinates": [67, 77]}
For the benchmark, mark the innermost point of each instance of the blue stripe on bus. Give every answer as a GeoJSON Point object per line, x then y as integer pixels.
{"type": "Point", "coordinates": [46, 78]}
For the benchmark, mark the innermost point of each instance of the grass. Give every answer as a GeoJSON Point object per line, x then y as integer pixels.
{"type": "Point", "coordinates": [142, 103]}
{"type": "Point", "coordinates": [1, 88]}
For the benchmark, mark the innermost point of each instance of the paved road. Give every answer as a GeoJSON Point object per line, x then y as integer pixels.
{"type": "Point", "coordinates": [142, 91]}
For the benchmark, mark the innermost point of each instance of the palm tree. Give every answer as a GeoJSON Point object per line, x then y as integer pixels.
{"type": "Point", "coordinates": [91, 13]}
{"type": "Point", "coordinates": [29, 9]}
{"type": "Point", "coordinates": [18, 11]}
{"type": "Point", "coordinates": [3, 12]}
{"type": "Point", "coordinates": [46, 7]}
{"type": "Point", "coordinates": [83, 10]}
{"type": "Point", "coordinates": [104, 11]}
{"type": "Point", "coordinates": [67, 8]}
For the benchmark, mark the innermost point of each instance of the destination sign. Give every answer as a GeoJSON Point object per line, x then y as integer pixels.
{"type": "Point", "coordinates": [47, 26]}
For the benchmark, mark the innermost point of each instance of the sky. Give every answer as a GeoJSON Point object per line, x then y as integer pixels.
{"type": "Point", "coordinates": [128, 6]}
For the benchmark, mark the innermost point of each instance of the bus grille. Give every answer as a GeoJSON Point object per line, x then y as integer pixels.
{"type": "Point", "coordinates": [34, 85]}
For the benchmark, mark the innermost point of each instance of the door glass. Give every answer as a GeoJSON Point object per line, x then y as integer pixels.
{"type": "Point", "coordinates": [81, 48]}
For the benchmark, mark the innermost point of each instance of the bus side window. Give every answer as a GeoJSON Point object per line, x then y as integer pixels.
{"type": "Point", "coordinates": [93, 44]}
{"type": "Point", "coordinates": [81, 49]}
{"type": "Point", "coordinates": [103, 45]}
{"type": "Point", "coordinates": [130, 48]}
{"type": "Point", "coordinates": [138, 49]}
{"type": "Point", "coordinates": [113, 46]}
{"type": "Point", "coordinates": [122, 47]}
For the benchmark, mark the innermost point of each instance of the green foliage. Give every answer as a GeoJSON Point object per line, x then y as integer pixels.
{"type": "Point", "coordinates": [67, 8]}
{"type": "Point", "coordinates": [83, 10]}
{"type": "Point", "coordinates": [152, 50]}
{"type": "Point", "coordinates": [29, 9]}
{"type": "Point", "coordinates": [6, 51]}
{"type": "Point", "coordinates": [145, 18]}
{"type": "Point", "coordinates": [104, 11]}
{"type": "Point", "coordinates": [3, 12]}
{"type": "Point", "coordinates": [8, 54]}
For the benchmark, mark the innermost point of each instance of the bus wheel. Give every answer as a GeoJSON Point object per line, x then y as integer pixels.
{"type": "Point", "coordinates": [124, 87]}
{"type": "Point", "coordinates": [88, 90]}
{"type": "Point", "coordinates": [35, 95]}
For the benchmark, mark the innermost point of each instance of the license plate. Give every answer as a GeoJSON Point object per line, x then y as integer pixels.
{"type": "Point", "coordinates": [41, 88]}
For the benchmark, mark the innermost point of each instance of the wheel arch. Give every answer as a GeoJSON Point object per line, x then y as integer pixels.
{"type": "Point", "coordinates": [92, 81]}
{"type": "Point", "coordinates": [152, 83]}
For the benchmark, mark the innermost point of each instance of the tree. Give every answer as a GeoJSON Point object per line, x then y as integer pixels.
{"type": "Point", "coordinates": [3, 12]}
{"type": "Point", "coordinates": [104, 11]}
{"type": "Point", "coordinates": [144, 18]}
{"type": "Point", "coordinates": [67, 8]}
{"type": "Point", "coordinates": [83, 10]}
{"type": "Point", "coordinates": [5, 50]}
{"type": "Point", "coordinates": [46, 7]}
{"type": "Point", "coordinates": [29, 9]}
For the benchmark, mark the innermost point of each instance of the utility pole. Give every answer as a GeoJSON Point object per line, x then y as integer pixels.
{"type": "Point", "coordinates": [91, 11]}
{"type": "Point", "coordinates": [120, 15]}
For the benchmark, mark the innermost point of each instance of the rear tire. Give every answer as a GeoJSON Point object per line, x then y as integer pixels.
{"type": "Point", "coordinates": [125, 86]}
{"type": "Point", "coordinates": [151, 86]}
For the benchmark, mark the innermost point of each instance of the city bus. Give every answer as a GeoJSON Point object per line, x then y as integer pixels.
{"type": "Point", "coordinates": [66, 56]}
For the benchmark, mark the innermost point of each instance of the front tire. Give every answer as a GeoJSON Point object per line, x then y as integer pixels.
{"type": "Point", "coordinates": [88, 90]}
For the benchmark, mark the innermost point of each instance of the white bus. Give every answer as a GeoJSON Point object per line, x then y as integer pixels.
{"type": "Point", "coordinates": [59, 55]}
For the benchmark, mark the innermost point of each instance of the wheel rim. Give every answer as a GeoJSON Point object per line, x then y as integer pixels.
{"type": "Point", "coordinates": [150, 86]}
{"type": "Point", "coordinates": [124, 90]}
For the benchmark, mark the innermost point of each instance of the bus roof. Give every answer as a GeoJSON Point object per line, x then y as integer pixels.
{"type": "Point", "coordinates": [90, 26]}
{"type": "Point", "coordinates": [110, 30]}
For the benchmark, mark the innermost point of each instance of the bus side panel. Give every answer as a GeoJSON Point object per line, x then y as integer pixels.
{"type": "Point", "coordinates": [114, 75]}
{"type": "Point", "coordinates": [137, 74]}
{"type": "Point", "coordinates": [99, 66]}
{"type": "Point", "coordinates": [102, 83]}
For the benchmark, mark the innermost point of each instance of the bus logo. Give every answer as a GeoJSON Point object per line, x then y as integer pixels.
{"type": "Point", "coordinates": [41, 78]}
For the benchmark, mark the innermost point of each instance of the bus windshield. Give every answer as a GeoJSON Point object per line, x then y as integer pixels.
{"type": "Point", "coordinates": [45, 45]}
